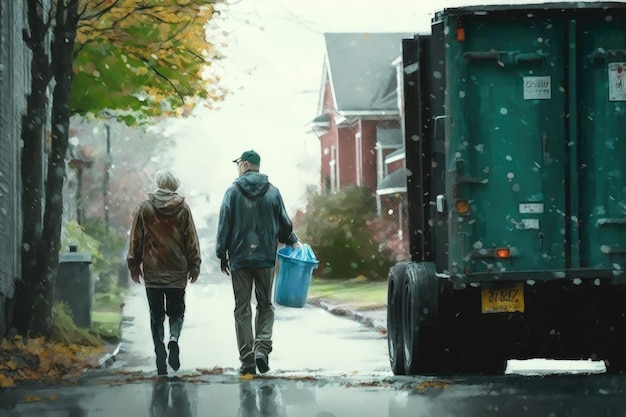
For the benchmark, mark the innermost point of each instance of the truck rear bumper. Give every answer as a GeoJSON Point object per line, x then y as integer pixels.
{"type": "Point", "coordinates": [600, 276]}
{"type": "Point", "coordinates": [560, 319]}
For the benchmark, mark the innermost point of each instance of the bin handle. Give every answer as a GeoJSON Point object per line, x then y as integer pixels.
{"type": "Point", "coordinates": [545, 150]}
{"type": "Point", "coordinates": [601, 56]}
{"type": "Point", "coordinates": [503, 58]}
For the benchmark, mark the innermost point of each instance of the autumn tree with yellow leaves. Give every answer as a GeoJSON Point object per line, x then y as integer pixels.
{"type": "Point", "coordinates": [132, 60]}
{"type": "Point", "coordinates": [143, 59]}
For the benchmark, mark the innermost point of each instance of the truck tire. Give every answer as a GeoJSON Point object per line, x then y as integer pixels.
{"type": "Point", "coordinates": [615, 365]}
{"type": "Point", "coordinates": [395, 343]}
{"type": "Point", "coordinates": [423, 351]}
{"type": "Point", "coordinates": [616, 360]}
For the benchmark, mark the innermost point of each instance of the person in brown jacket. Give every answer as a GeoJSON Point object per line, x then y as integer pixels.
{"type": "Point", "coordinates": [164, 249]}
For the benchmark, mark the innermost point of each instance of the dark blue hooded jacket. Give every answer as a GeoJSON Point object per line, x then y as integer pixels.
{"type": "Point", "coordinates": [252, 221]}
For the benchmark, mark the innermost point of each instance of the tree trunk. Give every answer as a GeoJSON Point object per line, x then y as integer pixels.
{"type": "Point", "coordinates": [66, 23]}
{"type": "Point", "coordinates": [33, 130]}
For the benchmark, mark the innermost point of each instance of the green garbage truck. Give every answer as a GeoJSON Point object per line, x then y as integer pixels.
{"type": "Point", "coordinates": [515, 142]}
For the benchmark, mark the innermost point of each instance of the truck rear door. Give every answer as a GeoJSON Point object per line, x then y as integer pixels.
{"type": "Point", "coordinates": [601, 66]}
{"type": "Point", "coordinates": [506, 130]}
{"type": "Point", "coordinates": [535, 181]}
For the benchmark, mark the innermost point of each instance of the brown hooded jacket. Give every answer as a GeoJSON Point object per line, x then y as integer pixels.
{"type": "Point", "coordinates": [164, 241]}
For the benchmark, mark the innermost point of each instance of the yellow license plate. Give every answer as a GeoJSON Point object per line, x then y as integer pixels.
{"type": "Point", "coordinates": [503, 300]}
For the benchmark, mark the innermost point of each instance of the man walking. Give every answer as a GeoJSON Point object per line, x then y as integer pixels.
{"type": "Point", "coordinates": [164, 249]}
{"type": "Point", "coordinates": [252, 222]}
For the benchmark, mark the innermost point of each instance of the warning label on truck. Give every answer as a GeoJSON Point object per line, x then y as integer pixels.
{"type": "Point", "coordinates": [617, 89]}
{"type": "Point", "coordinates": [537, 88]}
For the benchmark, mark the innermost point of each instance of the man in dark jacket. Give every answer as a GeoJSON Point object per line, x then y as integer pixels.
{"type": "Point", "coordinates": [252, 222]}
{"type": "Point", "coordinates": [164, 249]}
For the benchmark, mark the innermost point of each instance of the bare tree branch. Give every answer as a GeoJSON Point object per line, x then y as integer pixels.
{"type": "Point", "coordinates": [161, 75]}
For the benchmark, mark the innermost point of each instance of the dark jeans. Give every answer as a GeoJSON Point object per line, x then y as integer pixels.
{"type": "Point", "coordinates": [162, 301]}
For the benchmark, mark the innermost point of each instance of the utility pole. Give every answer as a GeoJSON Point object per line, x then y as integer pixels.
{"type": "Point", "coordinates": [105, 185]}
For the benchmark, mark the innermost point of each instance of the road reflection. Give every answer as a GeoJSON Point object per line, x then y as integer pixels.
{"type": "Point", "coordinates": [582, 395]}
{"type": "Point", "coordinates": [169, 399]}
{"type": "Point", "coordinates": [262, 399]}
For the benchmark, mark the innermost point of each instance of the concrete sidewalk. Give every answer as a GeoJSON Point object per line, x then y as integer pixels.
{"type": "Point", "coordinates": [136, 332]}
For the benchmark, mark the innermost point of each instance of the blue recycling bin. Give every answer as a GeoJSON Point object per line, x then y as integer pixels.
{"type": "Point", "coordinates": [295, 268]}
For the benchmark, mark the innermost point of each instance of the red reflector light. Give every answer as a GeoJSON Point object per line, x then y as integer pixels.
{"type": "Point", "coordinates": [503, 253]}
{"type": "Point", "coordinates": [462, 207]}
{"type": "Point", "coordinates": [460, 34]}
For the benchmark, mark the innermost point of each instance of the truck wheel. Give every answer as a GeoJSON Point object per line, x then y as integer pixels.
{"type": "Point", "coordinates": [395, 343]}
{"type": "Point", "coordinates": [422, 348]}
{"type": "Point", "coordinates": [616, 364]}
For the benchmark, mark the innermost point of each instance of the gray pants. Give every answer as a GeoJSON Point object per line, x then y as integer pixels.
{"type": "Point", "coordinates": [247, 340]}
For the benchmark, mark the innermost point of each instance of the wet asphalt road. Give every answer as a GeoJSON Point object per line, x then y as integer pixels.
{"type": "Point", "coordinates": [322, 366]}
{"type": "Point", "coordinates": [512, 395]}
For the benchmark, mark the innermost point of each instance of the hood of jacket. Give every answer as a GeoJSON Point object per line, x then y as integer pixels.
{"type": "Point", "coordinates": [253, 184]}
{"type": "Point", "coordinates": [166, 202]}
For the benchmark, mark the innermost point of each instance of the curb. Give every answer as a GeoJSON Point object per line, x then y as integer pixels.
{"type": "Point", "coordinates": [108, 359]}
{"type": "Point", "coordinates": [378, 325]}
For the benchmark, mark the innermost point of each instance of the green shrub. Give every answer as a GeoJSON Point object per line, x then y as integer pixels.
{"type": "Point", "coordinates": [65, 330]}
{"type": "Point", "coordinates": [339, 228]}
{"type": "Point", "coordinates": [112, 246]}
{"type": "Point", "coordinates": [105, 247]}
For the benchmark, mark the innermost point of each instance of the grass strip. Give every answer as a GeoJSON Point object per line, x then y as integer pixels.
{"type": "Point", "coordinates": [353, 291]}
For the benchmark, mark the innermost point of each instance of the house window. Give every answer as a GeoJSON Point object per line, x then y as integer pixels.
{"type": "Point", "coordinates": [359, 158]}
{"type": "Point", "coordinates": [332, 167]}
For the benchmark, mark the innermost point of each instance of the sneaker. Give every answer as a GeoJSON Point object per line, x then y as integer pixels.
{"type": "Point", "coordinates": [173, 358]}
{"type": "Point", "coordinates": [247, 370]}
{"type": "Point", "coordinates": [262, 362]}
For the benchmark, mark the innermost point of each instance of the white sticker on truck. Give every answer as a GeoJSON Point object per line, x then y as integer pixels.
{"type": "Point", "coordinates": [617, 88]}
{"type": "Point", "coordinates": [537, 88]}
{"type": "Point", "coordinates": [529, 224]}
{"type": "Point", "coordinates": [530, 208]}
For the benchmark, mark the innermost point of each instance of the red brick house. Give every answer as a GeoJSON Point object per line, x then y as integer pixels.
{"type": "Point", "coordinates": [359, 120]}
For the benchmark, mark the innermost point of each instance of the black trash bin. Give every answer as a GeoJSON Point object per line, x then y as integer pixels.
{"type": "Point", "coordinates": [75, 284]}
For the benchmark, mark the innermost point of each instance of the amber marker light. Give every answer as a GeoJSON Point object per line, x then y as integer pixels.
{"type": "Point", "coordinates": [460, 34]}
{"type": "Point", "coordinates": [503, 253]}
{"type": "Point", "coordinates": [462, 207]}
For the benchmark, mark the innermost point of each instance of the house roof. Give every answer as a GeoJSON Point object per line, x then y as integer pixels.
{"type": "Point", "coordinates": [389, 137]}
{"type": "Point", "coordinates": [396, 155]}
{"type": "Point", "coordinates": [393, 183]}
{"type": "Point", "coordinates": [320, 124]}
{"type": "Point", "coordinates": [360, 70]}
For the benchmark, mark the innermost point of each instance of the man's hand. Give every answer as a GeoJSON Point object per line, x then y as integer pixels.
{"type": "Point", "coordinates": [297, 245]}
{"type": "Point", "coordinates": [193, 277]}
{"type": "Point", "coordinates": [224, 266]}
{"type": "Point", "coordinates": [136, 276]}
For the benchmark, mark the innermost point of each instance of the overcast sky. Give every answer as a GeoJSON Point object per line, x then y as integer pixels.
{"type": "Point", "coordinates": [273, 67]}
